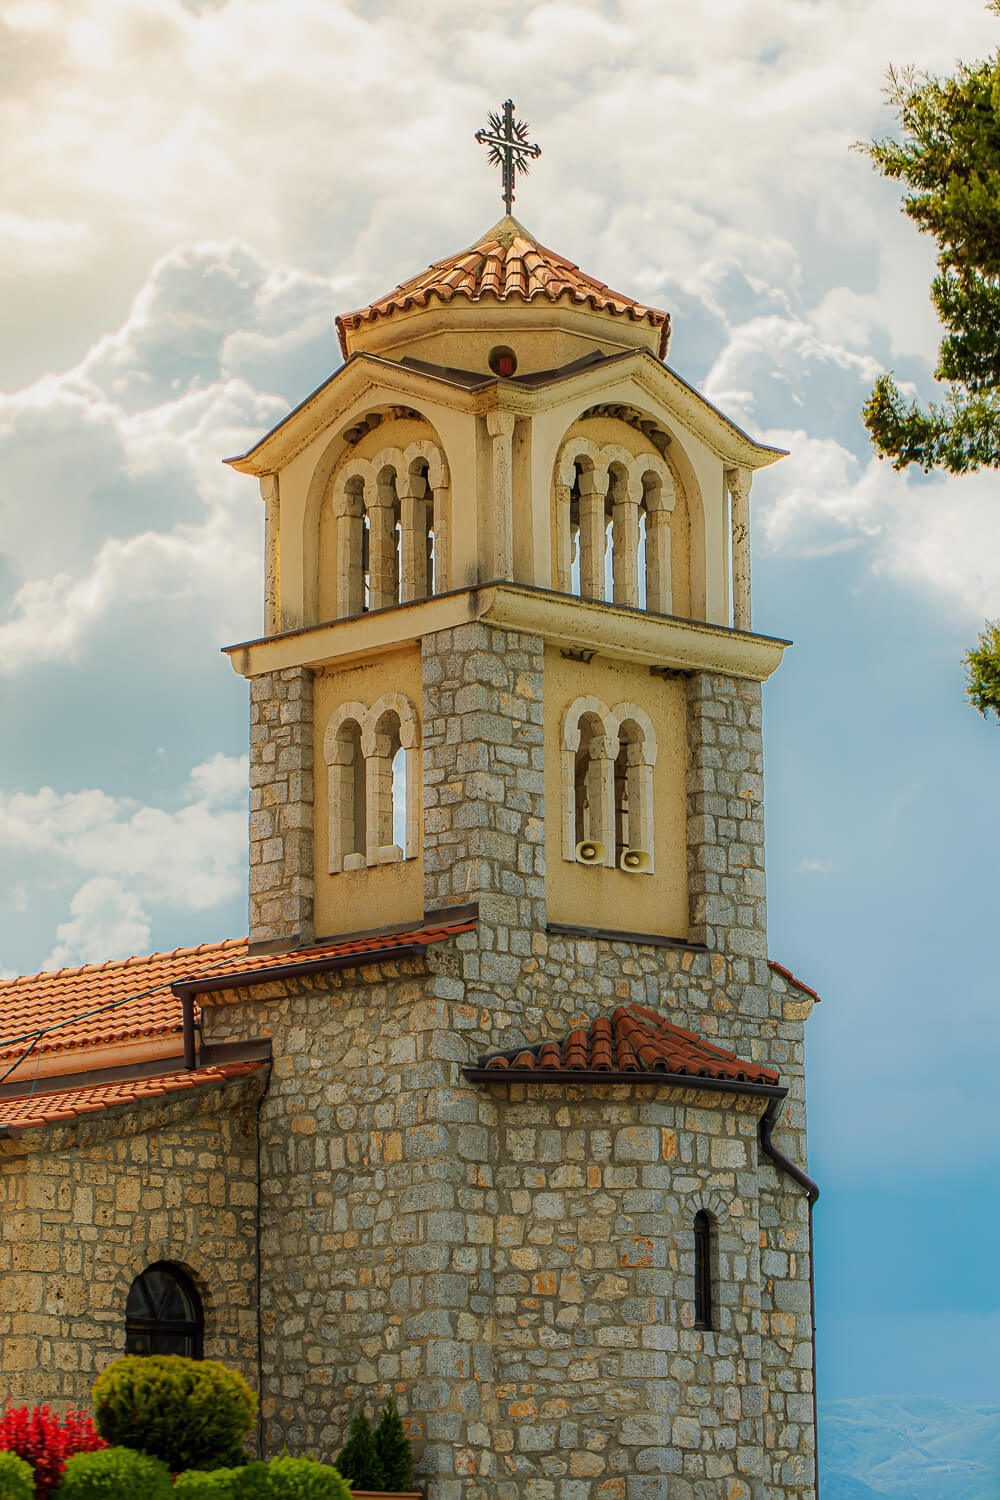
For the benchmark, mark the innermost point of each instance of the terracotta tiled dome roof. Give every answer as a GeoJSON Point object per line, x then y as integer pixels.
{"type": "Point", "coordinates": [632, 1039]}
{"type": "Point", "coordinates": [507, 264]}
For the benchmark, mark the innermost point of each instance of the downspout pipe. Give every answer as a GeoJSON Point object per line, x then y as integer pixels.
{"type": "Point", "coordinates": [791, 1169]}
{"type": "Point", "coordinates": [187, 1020]}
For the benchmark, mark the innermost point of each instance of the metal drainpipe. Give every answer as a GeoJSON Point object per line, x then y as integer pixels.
{"type": "Point", "coordinates": [187, 1015]}
{"type": "Point", "coordinates": [785, 1164]}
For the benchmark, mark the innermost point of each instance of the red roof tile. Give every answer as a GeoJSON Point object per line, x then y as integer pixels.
{"type": "Point", "coordinates": [772, 963]}
{"type": "Point", "coordinates": [62, 998]}
{"type": "Point", "coordinates": [631, 1040]}
{"type": "Point", "coordinates": [506, 265]}
{"type": "Point", "coordinates": [69, 1104]}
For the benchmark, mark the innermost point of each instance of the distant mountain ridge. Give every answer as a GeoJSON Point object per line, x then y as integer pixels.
{"type": "Point", "coordinates": [909, 1448]}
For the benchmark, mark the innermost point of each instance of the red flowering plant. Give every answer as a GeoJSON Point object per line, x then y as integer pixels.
{"type": "Point", "coordinates": [45, 1440]}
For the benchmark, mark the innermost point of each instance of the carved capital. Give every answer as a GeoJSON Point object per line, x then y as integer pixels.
{"type": "Point", "coordinates": [500, 423]}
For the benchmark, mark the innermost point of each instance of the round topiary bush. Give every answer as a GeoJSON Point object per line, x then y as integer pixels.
{"type": "Point", "coordinates": [207, 1484]}
{"type": "Point", "coordinates": [17, 1478]}
{"type": "Point", "coordinates": [290, 1479]}
{"type": "Point", "coordinates": [115, 1474]}
{"type": "Point", "coordinates": [191, 1413]}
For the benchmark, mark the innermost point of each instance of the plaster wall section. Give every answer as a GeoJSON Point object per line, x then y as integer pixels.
{"type": "Point", "coordinates": [282, 886]}
{"type": "Point", "coordinates": [86, 1207]}
{"type": "Point", "coordinates": [354, 900]}
{"type": "Point", "coordinates": [599, 896]}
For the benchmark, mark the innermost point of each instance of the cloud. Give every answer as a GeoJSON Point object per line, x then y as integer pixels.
{"type": "Point", "coordinates": [136, 858]}
{"type": "Point", "coordinates": [812, 865]}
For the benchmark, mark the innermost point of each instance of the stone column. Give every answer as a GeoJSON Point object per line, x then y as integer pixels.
{"type": "Point", "coordinates": [500, 425]}
{"type": "Point", "coordinates": [272, 555]}
{"type": "Point", "coordinates": [593, 532]}
{"type": "Point", "coordinates": [383, 581]}
{"type": "Point", "coordinates": [563, 574]}
{"type": "Point", "coordinates": [350, 550]}
{"type": "Point", "coordinates": [738, 482]}
{"type": "Point", "coordinates": [625, 546]}
{"type": "Point", "coordinates": [413, 490]}
{"type": "Point", "coordinates": [440, 518]}
{"type": "Point", "coordinates": [725, 795]}
{"type": "Point", "coordinates": [659, 581]}
{"type": "Point", "coordinates": [281, 806]}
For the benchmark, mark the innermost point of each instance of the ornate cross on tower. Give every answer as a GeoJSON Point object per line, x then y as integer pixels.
{"type": "Point", "coordinates": [508, 141]}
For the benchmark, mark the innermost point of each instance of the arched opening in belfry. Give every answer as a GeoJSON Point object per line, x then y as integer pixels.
{"type": "Point", "coordinates": [387, 790]}
{"type": "Point", "coordinates": [574, 531]}
{"type": "Point", "coordinates": [424, 583]}
{"type": "Point", "coordinates": [588, 781]}
{"type": "Point", "coordinates": [399, 800]}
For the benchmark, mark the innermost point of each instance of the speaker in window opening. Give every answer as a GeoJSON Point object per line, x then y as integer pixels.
{"type": "Point", "coordinates": [635, 862]}
{"type": "Point", "coordinates": [591, 852]}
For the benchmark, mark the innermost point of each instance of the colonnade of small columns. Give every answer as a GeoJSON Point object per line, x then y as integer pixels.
{"type": "Point", "coordinates": [392, 516]}
{"type": "Point", "coordinates": [608, 482]}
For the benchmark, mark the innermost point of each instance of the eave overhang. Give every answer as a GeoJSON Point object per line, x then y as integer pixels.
{"type": "Point", "coordinates": [657, 641]}
{"type": "Point", "coordinates": [639, 368]}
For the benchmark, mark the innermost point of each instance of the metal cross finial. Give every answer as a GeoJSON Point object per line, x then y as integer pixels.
{"type": "Point", "coordinates": [508, 141]}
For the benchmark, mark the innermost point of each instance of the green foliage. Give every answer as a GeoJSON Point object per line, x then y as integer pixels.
{"type": "Point", "coordinates": [948, 158]}
{"type": "Point", "coordinates": [115, 1474]}
{"type": "Point", "coordinates": [17, 1478]}
{"type": "Point", "coordinates": [290, 1479]}
{"type": "Point", "coordinates": [983, 665]}
{"type": "Point", "coordinates": [359, 1459]}
{"type": "Point", "coordinates": [191, 1413]}
{"type": "Point", "coordinates": [207, 1484]}
{"type": "Point", "coordinates": [393, 1447]}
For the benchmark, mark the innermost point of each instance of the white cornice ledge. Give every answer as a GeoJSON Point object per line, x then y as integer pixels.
{"type": "Point", "coordinates": [560, 619]}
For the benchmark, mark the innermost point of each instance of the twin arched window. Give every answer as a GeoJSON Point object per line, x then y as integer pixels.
{"type": "Point", "coordinates": [163, 1313]}
{"type": "Point", "coordinates": [391, 515]}
{"type": "Point", "coordinates": [373, 779]}
{"type": "Point", "coordinates": [608, 755]}
{"type": "Point", "coordinates": [613, 525]}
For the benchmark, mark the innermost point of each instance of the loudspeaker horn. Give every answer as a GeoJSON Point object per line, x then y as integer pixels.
{"type": "Point", "coordinates": [635, 861]}
{"type": "Point", "coordinates": [591, 852]}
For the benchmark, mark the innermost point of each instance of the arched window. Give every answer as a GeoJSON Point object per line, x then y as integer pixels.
{"type": "Point", "coordinates": [373, 783]}
{"type": "Point", "coordinates": [163, 1313]}
{"type": "Point", "coordinates": [702, 1270]}
{"type": "Point", "coordinates": [634, 761]}
{"type": "Point", "coordinates": [589, 793]}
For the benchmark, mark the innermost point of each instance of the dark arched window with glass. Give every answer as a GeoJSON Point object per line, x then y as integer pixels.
{"type": "Point", "coordinates": [163, 1313]}
{"type": "Point", "coordinates": [702, 1270]}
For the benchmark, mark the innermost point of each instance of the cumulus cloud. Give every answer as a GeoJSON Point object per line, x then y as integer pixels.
{"type": "Point", "coordinates": [135, 858]}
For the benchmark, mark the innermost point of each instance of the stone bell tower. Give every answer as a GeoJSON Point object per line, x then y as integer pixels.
{"type": "Point", "coordinates": [508, 671]}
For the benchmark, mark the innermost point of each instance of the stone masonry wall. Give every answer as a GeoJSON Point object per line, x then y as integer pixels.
{"type": "Point", "coordinates": [604, 1387]}
{"type": "Point", "coordinates": [282, 879]}
{"type": "Point", "coordinates": [86, 1207]}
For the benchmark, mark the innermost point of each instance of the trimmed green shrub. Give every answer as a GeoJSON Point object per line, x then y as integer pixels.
{"type": "Point", "coordinates": [359, 1460]}
{"type": "Point", "coordinates": [191, 1413]}
{"type": "Point", "coordinates": [17, 1478]}
{"type": "Point", "coordinates": [114, 1474]}
{"type": "Point", "coordinates": [393, 1447]}
{"type": "Point", "coordinates": [207, 1484]}
{"type": "Point", "coordinates": [290, 1479]}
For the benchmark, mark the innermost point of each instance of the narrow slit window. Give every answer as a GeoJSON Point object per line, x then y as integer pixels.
{"type": "Point", "coordinates": [702, 1270]}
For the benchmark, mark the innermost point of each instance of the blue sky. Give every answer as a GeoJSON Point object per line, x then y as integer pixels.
{"type": "Point", "coordinates": [192, 191]}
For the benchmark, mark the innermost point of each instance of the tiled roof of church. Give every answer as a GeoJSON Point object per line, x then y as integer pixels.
{"type": "Point", "coordinates": [506, 264]}
{"type": "Point", "coordinates": [631, 1040]}
{"type": "Point", "coordinates": [69, 1104]}
{"type": "Point", "coordinates": [104, 1004]}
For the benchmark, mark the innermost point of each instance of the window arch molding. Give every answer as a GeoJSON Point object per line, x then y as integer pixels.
{"type": "Point", "coordinates": [395, 496]}
{"type": "Point", "coordinates": [360, 773]}
{"type": "Point", "coordinates": [164, 1313]}
{"type": "Point", "coordinates": [623, 735]}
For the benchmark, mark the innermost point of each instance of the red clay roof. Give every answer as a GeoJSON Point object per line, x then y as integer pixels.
{"type": "Point", "coordinates": [506, 265]}
{"type": "Point", "coordinates": [69, 1104]}
{"type": "Point", "coordinates": [39, 1001]}
{"type": "Point", "coordinates": [632, 1039]}
{"type": "Point", "coordinates": [800, 984]}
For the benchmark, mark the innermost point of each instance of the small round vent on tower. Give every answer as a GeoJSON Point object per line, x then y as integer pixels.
{"type": "Point", "coordinates": [503, 361]}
